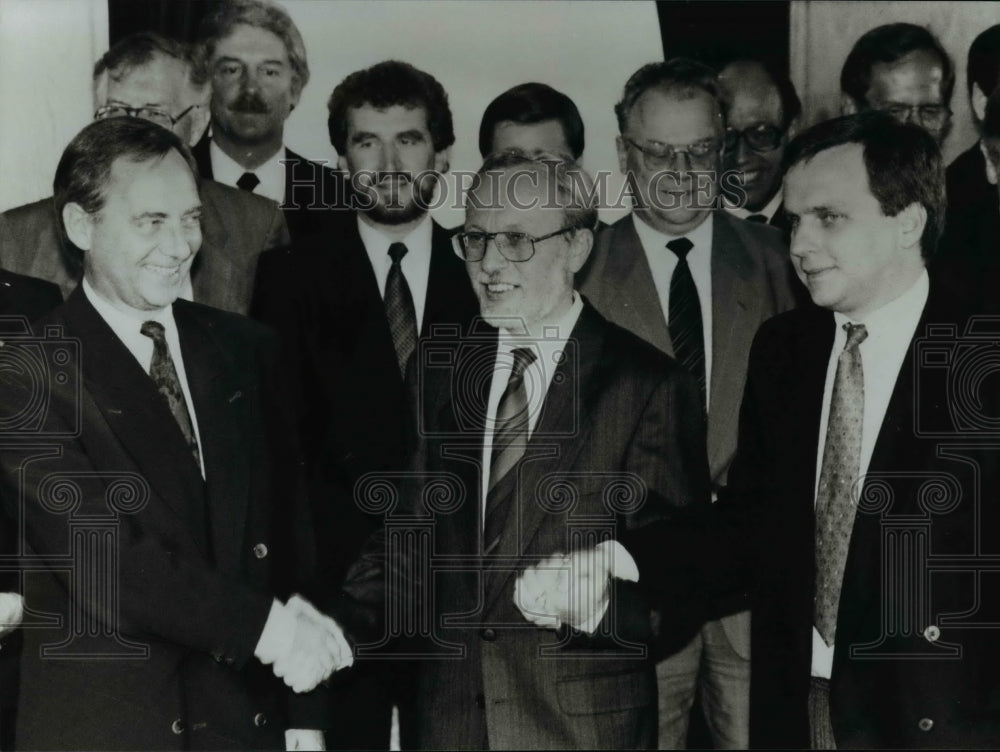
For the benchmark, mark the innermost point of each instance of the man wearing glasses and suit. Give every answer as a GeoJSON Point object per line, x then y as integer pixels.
{"type": "Point", "coordinates": [573, 457]}
{"type": "Point", "coordinates": [695, 282]}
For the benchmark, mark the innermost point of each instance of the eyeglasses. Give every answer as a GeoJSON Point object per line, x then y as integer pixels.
{"type": "Point", "coordinates": [513, 246]}
{"type": "Point", "coordinates": [152, 114]}
{"type": "Point", "coordinates": [928, 115]}
{"type": "Point", "coordinates": [760, 137]}
{"type": "Point", "coordinates": [664, 157]}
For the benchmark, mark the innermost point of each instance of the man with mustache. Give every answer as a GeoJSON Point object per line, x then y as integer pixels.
{"type": "Point", "coordinates": [696, 282]}
{"type": "Point", "coordinates": [350, 309]}
{"type": "Point", "coordinates": [258, 68]}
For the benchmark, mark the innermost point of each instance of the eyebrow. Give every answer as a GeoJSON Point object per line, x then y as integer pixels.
{"type": "Point", "coordinates": [231, 59]}
{"type": "Point", "coordinates": [112, 102]}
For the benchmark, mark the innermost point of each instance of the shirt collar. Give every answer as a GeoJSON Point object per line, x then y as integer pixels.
{"type": "Point", "coordinates": [271, 174]}
{"type": "Point", "coordinates": [557, 332]}
{"type": "Point", "coordinates": [898, 316]}
{"type": "Point", "coordinates": [700, 236]}
{"type": "Point", "coordinates": [417, 241]}
{"type": "Point", "coordinates": [121, 320]}
{"type": "Point", "coordinates": [768, 211]}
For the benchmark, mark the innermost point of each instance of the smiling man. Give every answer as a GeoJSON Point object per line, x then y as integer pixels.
{"type": "Point", "coordinates": [176, 410]}
{"type": "Point", "coordinates": [696, 282]}
{"type": "Point", "coordinates": [548, 404]}
{"type": "Point", "coordinates": [845, 428]}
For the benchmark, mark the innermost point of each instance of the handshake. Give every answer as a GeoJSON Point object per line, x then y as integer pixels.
{"type": "Point", "coordinates": [302, 645]}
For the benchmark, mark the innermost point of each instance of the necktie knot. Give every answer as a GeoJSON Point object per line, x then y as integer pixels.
{"type": "Point", "coordinates": [523, 357]}
{"type": "Point", "coordinates": [397, 251]}
{"type": "Point", "coordinates": [247, 182]}
{"type": "Point", "coordinates": [856, 334]}
{"type": "Point", "coordinates": [153, 329]}
{"type": "Point", "coordinates": [680, 247]}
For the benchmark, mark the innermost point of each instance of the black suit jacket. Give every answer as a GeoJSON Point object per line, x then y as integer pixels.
{"type": "Point", "coordinates": [916, 643]}
{"type": "Point", "coordinates": [164, 658]}
{"type": "Point", "coordinates": [355, 411]}
{"type": "Point", "coordinates": [617, 452]}
{"type": "Point", "coordinates": [311, 189]}
{"type": "Point", "coordinates": [966, 183]}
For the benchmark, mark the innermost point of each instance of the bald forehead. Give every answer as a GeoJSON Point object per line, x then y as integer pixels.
{"type": "Point", "coordinates": [746, 87]}
{"type": "Point", "coordinates": [163, 81]}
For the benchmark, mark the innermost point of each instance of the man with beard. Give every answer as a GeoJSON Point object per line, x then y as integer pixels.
{"type": "Point", "coordinates": [349, 310]}
{"type": "Point", "coordinates": [257, 66]}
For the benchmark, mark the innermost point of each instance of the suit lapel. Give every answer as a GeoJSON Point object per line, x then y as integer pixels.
{"type": "Point", "coordinates": [203, 156]}
{"type": "Point", "coordinates": [449, 299]}
{"type": "Point", "coordinates": [564, 414]}
{"type": "Point", "coordinates": [136, 413]}
{"type": "Point", "coordinates": [735, 317]}
{"type": "Point", "coordinates": [219, 406]}
{"type": "Point", "coordinates": [636, 297]}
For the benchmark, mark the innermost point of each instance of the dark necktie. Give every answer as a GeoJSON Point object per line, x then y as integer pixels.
{"type": "Point", "coordinates": [510, 435]}
{"type": "Point", "coordinates": [841, 467]}
{"type": "Point", "coordinates": [399, 310]}
{"type": "Point", "coordinates": [164, 375]}
{"type": "Point", "coordinates": [247, 182]}
{"type": "Point", "coordinates": [685, 324]}
{"type": "Point", "coordinates": [759, 218]}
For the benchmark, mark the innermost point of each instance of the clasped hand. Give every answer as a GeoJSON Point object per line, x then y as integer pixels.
{"type": "Point", "coordinates": [566, 589]}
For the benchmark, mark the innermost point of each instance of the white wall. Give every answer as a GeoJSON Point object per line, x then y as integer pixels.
{"type": "Point", "coordinates": [47, 53]}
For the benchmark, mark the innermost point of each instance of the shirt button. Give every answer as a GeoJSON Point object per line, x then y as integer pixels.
{"type": "Point", "coordinates": [260, 550]}
{"type": "Point", "coordinates": [489, 634]}
{"type": "Point", "coordinates": [177, 727]}
{"type": "Point", "coordinates": [260, 720]}
{"type": "Point", "coordinates": [932, 633]}
{"type": "Point", "coordinates": [925, 724]}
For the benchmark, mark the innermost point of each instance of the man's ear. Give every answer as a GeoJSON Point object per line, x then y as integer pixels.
{"type": "Point", "coordinates": [991, 169]}
{"type": "Point", "coordinates": [79, 226]}
{"type": "Point", "coordinates": [442, 160]}
{"type": "Point", "coordinates": [847, 105]}
{"type": "Point", "coordinates": [793, 128]}
{"type": "Point", "coordinates": [622, 148]}
{"type": "Point", "coordinates": [200, 116]}
{"type": "Point", "coordinates": [912, 221]}
{"type": "Point", "coordinates": [977, 100]}
{"type": "Point", "coordinates": [579, 249]}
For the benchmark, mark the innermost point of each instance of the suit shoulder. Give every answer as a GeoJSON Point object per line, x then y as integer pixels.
{"type": "Point", "coordinates": [28, 296]}
{"type": "Point", "coordinates": [759, 239]}
{"type": "Point", "coordinates": [250, 203]}
{"type": "Point", "coordinates": [231, 327]}
{"type": "Point", "coordinates": [625, 348]}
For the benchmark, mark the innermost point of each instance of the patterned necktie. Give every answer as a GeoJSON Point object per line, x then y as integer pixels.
{"type": "Point", "coordinates": [164, 375]}
{"type": "Point", "coordinates": [758, 218]}
{"type": "Point", "coordinates": [399, 309]}
{"type": "Point", "coordinates": [685, 323]}
{"type": "Point", "coordinates": [835, 506]}
{"type": "Point", "coordinates": [509, 438]}
{"type": "Point", "coordinates": [247, 182]}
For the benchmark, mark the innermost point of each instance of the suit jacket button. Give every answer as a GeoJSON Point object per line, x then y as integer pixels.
{"type": "Point", "coordinates": [489, 634]}
{"type": "Point", "coordinates": [260, 550]}
{"type": "Point", "coordinates": [925, 724]}
{"type": "Point", "coordinates": [260, 720]}
{"type": "Point", "coordinates": [177, 727]}
{"type": "Point", "coordinates": [932, 633]}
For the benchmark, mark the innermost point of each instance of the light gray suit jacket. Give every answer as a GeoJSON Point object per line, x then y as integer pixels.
{"type": "Point", "coordinates": [236, 227]}
{"type": "Point", "coordinates": [752, 280]}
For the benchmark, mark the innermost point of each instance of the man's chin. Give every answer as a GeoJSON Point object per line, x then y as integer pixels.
{"type": "Point", "coordinates": [397, 215]}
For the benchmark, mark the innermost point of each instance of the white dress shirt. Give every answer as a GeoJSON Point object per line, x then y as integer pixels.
{"type": "Point", "coordinates": [768, 211]}
{"type": "Point", "coordinates": [662, 262]}
{"type": "Point", "coordinates": [271, 174]}
{"type": "Point", "coordinates": [416, 263]}
{"type": "Point", "coordinates": [890, 331]}
{"type": "Point", "coordinates": [127, 325]}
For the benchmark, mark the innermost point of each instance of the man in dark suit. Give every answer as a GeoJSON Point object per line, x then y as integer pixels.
{"type": "Point", "coordinates": [695, 282]}
{"type": "Point", "coordinates": [560, 457]}
{"type": "Point", "coordinates": [864, 481]}
{"type": "Point", "coordinates": [22, 300]}
{"type": "Point", "coordinates": [147, 483]}
{"type": "Point", "coordinates": [965, 178]}
{"type": "Point", "coordinates": [153, 77]}
{"type": "Point", "coordinates": [350, 304]}
{"type": "Point", "coordinates": [762, 113]}
{"type": "Point", "coordinates": [257, 66]}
